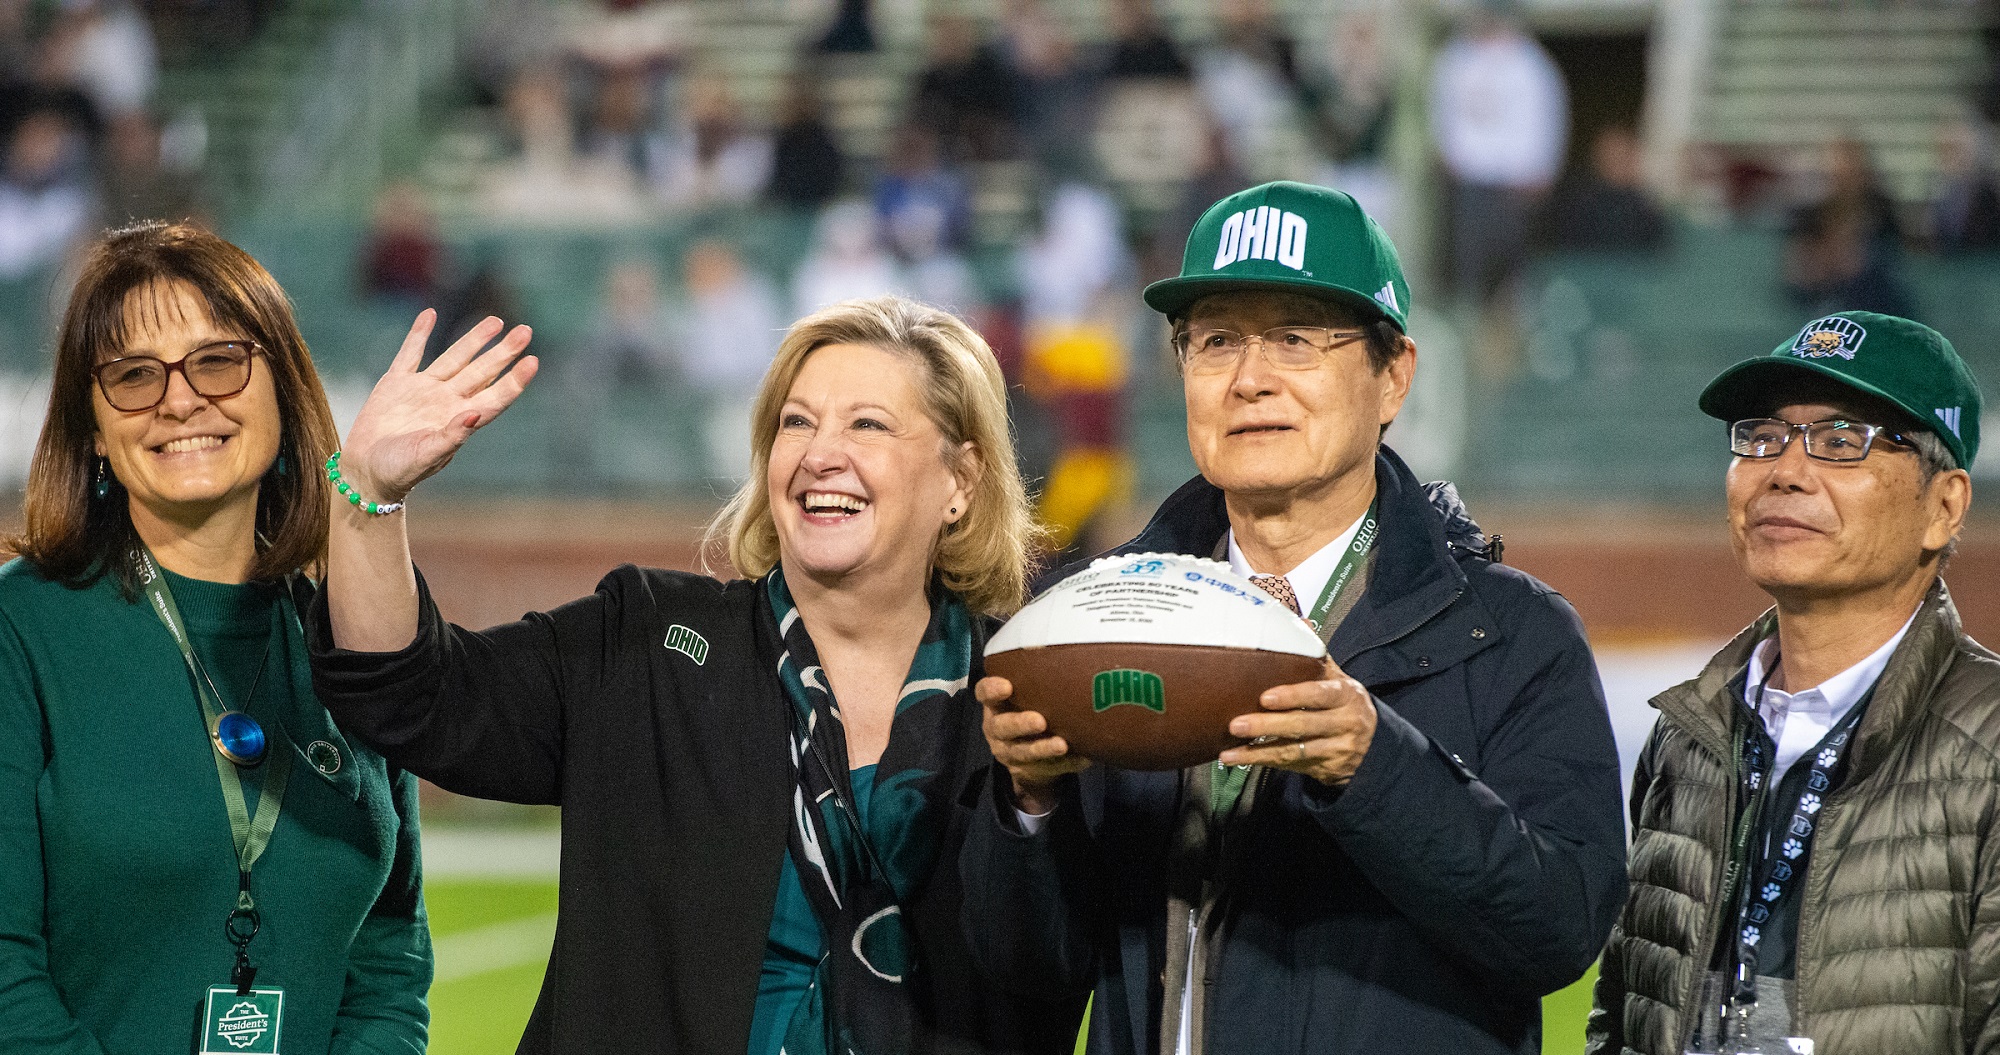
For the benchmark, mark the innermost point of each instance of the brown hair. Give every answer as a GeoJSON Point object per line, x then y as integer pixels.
{"type": "Point", "coordinates": [984, 556]}
{"type": "Point", "coordinates": [76, 538]}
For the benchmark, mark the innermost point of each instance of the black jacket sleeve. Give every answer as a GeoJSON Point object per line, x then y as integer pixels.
{"type": "Point", "coordinates": [1031, 905]}
{"type": "Point", "coordinates": [1605, 1030]}
{"type": "Point", "coordinates": [1518, 870]}
{"type": "Point", "coordinates": [479, 713]}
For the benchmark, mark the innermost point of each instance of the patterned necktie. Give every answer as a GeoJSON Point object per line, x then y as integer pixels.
{"type": "Point", "coordinates": [1279, 587]}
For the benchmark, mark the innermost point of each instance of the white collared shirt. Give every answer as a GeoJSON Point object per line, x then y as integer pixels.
{"type": "Point", "coordinates": [1798, 721]}
{"type": "Point", "coordinates": [1312, 574]}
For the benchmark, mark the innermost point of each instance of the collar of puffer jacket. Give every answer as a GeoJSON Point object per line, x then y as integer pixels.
{"type": "Point", "coordinates": [1706, 705]}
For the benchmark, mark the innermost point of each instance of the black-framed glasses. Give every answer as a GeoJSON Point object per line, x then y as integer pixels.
{"type": "Point", "coordinates": [1212, 350]}
{"type": "Point", "coordinates": [214, 371]}
{"type": "Point", "coordinates": [1833, 440]}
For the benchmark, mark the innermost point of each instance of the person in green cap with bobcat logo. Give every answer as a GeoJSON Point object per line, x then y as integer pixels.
{"type": "Point", "coordinates": [1815, 862]}
{"type": "Point", "coordinates": [1403, 856]}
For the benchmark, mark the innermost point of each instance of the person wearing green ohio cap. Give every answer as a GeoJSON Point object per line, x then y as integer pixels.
{"type": "Point", "coordinates": [1404, 856]}
{"type": "Point", "coordinates": [1835, 762]}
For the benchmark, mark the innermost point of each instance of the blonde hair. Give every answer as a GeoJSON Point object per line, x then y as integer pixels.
{"type": "Point", "coordinates": [984, 556]}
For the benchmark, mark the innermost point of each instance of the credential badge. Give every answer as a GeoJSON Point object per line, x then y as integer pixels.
{"type": "Point", "coordinates": [1829, 337]}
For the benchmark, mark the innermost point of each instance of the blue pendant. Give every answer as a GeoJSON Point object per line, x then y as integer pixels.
{"type": "Point", "coordinates": [239, 738]}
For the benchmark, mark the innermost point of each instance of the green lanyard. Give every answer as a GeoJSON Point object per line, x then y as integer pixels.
{"type": "Point", "coordinates": [1343, 572]}
{"type": "Point", "coordinates": [1226, 782]}
{"type": "Point", "coordinates": [250, 834]}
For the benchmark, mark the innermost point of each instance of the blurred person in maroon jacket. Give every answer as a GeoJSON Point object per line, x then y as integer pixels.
{"type": "Point", "coordinates": [402, 260]}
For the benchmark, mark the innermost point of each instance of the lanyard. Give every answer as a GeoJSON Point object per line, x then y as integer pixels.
{"type": "Point", "coordinates": [1226, 782]}
{"type": "Point", "coordinates": [250, 834]}
{"type": "Point", "coordinates": [1343, 572]}
{"type": "Point", "coordinates": [1776, 871]}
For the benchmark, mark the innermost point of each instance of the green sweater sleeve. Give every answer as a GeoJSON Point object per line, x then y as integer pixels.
{"type": "Point", "coordinates": [384, 1009]}
{"type": "Point", "coordinates": [33, 1019]}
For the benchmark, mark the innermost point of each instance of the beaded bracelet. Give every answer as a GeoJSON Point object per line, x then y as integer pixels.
{"type": "Point", "coordinates": [354, 497]}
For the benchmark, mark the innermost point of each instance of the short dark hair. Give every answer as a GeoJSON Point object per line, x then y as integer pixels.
{"type": "Point", "coordinates": [1384, 340]}
{"type": "Point", "coordinates": [76, 540]}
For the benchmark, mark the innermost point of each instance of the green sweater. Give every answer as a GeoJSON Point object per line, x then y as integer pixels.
{"type": "Point", "coordinates": [116, 865]}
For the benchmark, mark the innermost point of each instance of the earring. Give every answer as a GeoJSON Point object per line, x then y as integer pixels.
{"type": "Point", "coordinates": [103, 489]}
{"type": "Point", "coordinates": [954, 510]}
{"type": "Point", "coordinates": [281, 468]}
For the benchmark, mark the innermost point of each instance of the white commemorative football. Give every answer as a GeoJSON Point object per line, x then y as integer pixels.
{"type": "Point", "coordinates": [1141, 661]}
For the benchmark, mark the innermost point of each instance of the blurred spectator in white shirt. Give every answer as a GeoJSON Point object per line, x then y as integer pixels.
{"type": "Point", "coordinates": [727, 332]}
{"type": "Point", "coordinates": [1249, 78]}
{"type": "Point", "coordinates": [847, 260]}
{"type": "Point", "coordinates": [1067, 270]}
{"type": "Point", "coordinates": [105, 48]}
{"type": "Point", "coordinates": [1352, 105]}
{"type": "Point", "coordinates": [931, 271]}
{"type": "Point", "coordinates": [714, 158]}
{"type": "Point", "coordinates": [1500, 112]}
{"type": "Point", "coordinates": [621, 129]}
{"type": "Point", "coordinates": [546, 181]}
{"type": "Point", "coordinates": [626, 34]}
{"type": "Point", "coordinates": [628, 349]}
{"type": "Point", "coordinates": [46, 204]}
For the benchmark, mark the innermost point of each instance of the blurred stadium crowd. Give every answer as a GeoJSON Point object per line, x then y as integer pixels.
{"type": "Point", "coordinates": [660, 186]}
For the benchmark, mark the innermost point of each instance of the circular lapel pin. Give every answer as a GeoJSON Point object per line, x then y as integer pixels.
{"type": "Point", "coordinates": [239, 738]}
{"type": "Point", "coordinates": [324, 757]}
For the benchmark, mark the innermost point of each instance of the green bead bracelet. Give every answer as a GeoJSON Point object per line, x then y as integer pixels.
{"type": "Point", "coordinates": [354, 497]}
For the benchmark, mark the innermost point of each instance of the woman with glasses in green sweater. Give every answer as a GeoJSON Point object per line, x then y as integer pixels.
{"type": "Point", "coordinates": [192, 856]}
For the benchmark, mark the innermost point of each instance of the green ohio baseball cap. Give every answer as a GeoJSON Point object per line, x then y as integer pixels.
{"type": "Point", "coordinates": [1907, 363]}
{"type": "Point", "coordinates": [1293, 237]}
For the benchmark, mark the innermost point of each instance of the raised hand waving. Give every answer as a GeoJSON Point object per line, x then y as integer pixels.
{"type": "Point", "coordinates": [416, 419]}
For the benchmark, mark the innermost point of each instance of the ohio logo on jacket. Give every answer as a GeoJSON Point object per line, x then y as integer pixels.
{"type": "Point", "coordinates": [685, 641]}
{"type": "Point", "coordinates": [1829, 337]}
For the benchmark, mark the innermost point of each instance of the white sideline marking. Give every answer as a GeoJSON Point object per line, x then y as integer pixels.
{"type": "Point", "coordinates": [461, 853]}
{"type": "Point", "coordinates": [493, 947]}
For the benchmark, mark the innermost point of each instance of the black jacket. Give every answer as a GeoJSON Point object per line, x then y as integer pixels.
{"type": "Point", "coordinates": [1473, 864]}
{"type": "Point", "coordinates": [675, 779]}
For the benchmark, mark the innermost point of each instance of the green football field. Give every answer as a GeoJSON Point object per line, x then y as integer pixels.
{"type": "Point", "coordinates": [492, 938]}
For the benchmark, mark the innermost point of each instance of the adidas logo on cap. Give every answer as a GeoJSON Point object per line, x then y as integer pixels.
{"type": "Point", "coordinates": [1386, 296]}
{"type": "Point", "coordinates": [1948, 415]}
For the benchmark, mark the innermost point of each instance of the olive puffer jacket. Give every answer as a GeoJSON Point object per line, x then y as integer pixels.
{"type": "Point", "coordinates": [1899, 929]}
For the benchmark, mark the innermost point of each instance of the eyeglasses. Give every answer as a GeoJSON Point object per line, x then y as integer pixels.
{"type": "Point", "coordinates": [214, 371]}
{"type": "Point", "coordinates": [1208, 350]}
{"type": "Point", "coordinates": [1829, 441]}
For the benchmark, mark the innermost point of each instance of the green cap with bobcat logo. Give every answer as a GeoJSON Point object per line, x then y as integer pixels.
{"type": "Point", "coordinates": [1291, 237]}
{"type": "Point", "coordinates": [1907, 363]}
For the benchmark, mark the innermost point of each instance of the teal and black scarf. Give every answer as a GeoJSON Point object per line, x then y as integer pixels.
{"type": "Point", "coordinates": [865, 995]}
